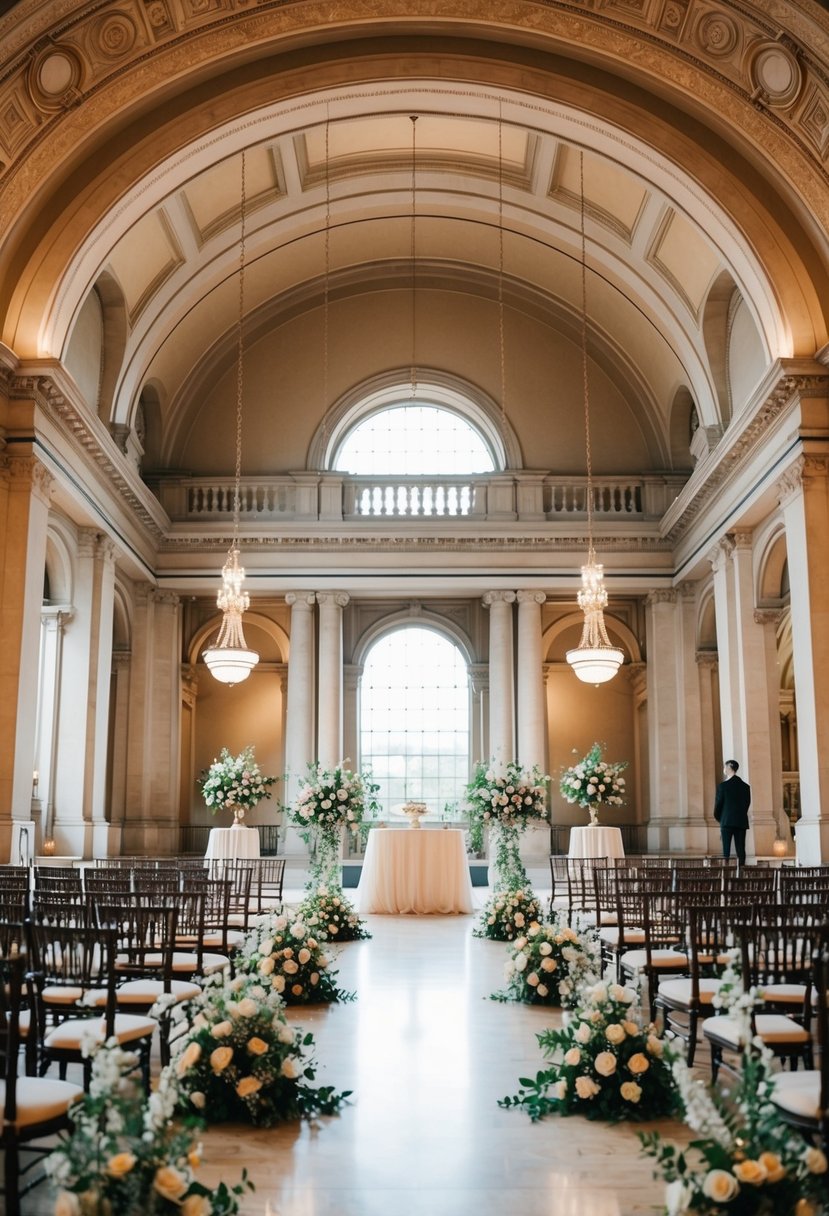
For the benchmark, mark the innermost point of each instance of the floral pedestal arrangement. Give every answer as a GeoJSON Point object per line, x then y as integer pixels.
{"type": "Point", "coordinates": [234, 783]}
{"type": "Point", "coordinates": [506, 798]}
{"type": "Point", "coordinates": [593, 782]}
{"type": "Point", "coordinates": [414, 812]}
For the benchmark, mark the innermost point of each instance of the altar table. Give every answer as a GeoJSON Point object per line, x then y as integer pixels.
{"type": "Point", "coordinates": [230, 844]}
{"type": "Point", "coordinates": [421, 870]}
{"type": "Point", "coordinates": [596, 842]}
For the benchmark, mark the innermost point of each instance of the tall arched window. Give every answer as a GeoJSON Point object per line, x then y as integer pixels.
{"type": "Point", "coordinates": [414, 719]}
{"type": "Point", "coordinates": [412, 439]}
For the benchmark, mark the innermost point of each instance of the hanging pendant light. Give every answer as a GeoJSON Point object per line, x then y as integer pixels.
{"type": "Point", "coordinates": [230, 660]}
{"type": "Point", "coordinates": [413, 256]}
{"type": "Point", "coordinates": [595, 660]}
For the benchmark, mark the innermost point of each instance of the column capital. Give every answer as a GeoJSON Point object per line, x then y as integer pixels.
{"type": "Point", "coordinates": [498, 597]}
{"type": "Point", "coordinates": [479, 676]}
{"type": "Point", "coordinates": [122, 659]}
{"type": "Point", "coordinates": [87, 541]}
{"type": "Point", "coordinates": [29, 472]}
{"type": "Point", "coordinates": [768, 616]}
{"type": "Point", "coordinates": [164, 597]}
{"type": "Point", "coordinates": [707, 658]}
{"type": "Point", "coordinates": [661, 596]}
{"type": "Point", "coordinates": [687, 590]}
{"type": "Point", "coordinates": [333, 599]}
{"type": "Point", "coordinates": [531, 597]}
{"type": "Point", "coordinates": [742, 538]}
{"type": "Point", "coordinates": [791, 482]}
{"type": "Point", "coordinates": [300, 600]}
{"type": "Point", "coordinates": [54, 618]}
{"type": "Point", "coordinates": [637, 674]}
{"type": "Point", "coordinates": [352, 674]}
{"type": "Point", "coordinates": [720, 553]}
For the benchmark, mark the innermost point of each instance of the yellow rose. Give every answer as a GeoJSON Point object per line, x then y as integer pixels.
{"type": "Point", "coordinates": [289, 1069]}
{"type": "Point", "coordinates": [314, 977]}
{"type": "Point", "coordinates": [220, 1058]}
{"type": "Point", "coordinates": [296, 989]}
{"type": "Point", "coordinates": [266, 966]}
{"type": "Point", "coordinates": [631, 1028]}
{"type": "Point", "coordinates": [815, 1160]}
{"type": "Point", "coordinates": [605, 1063]}
{"type": "Point", "coordinates": [654, 1045]}
{"type": "Point", "coordinates": [614, 1033]}
{"type": "Point", "coordinates": [196, 1205]}
{"type": "Point", "coordinates": [543, 990]}
{"type": "Point", "coordinates": [248, 1086]}
{"type": "Point", "coordinates": [198, 1099]}
{"type": "Point", "coordinates": [573, 1057]}
{"type": "Point", "coordinates": [170, 1182]}
{"type": "Point", "coordinates": [304, 956]}
{"type": "Point", "coordinates": [638, 1063]}
{"type": "Point", "coordinates": [257, 1047]}
{"type": "Point", "coordinates": [805, 1207]}
{"type": "Point", "coordinates": [775, 1169]}
{"type": "Point", "coordinates": [278, 983]}
{"type": "Point", "coordinates": [720, 1185]}
{"type": "Point", "coordinates": [222, 1029]}
{"type": "Point", "coordinates": [287, 952]}
{"type": "Point", "coordinates": [532, 979]}
{"type": "Point", "coordinates": [248, 1008]}
{"type": "Point", "coordinates": [120, 1164]}
{"type": "Point", "coordinates": [290, 967]}
{"type": "Point", "coordinates": [586, 1087]}
{"type": "Point", "coordinates": [548, 964]}
{"type": "Point", "coordinates": [190, 1056]}
{"type": "Point", "coordinates": [630, 1091]}
{"type": "Point", "coordinates": [751, 1172]}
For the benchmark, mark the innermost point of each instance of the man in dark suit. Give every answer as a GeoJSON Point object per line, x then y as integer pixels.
{"type": "Point", "coordinates": [731, 811]}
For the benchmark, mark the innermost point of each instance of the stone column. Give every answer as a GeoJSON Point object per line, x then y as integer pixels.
{"type": "Point", "coordinates": [25, 492]}
{"type": "Point", "coordinates": [300, 713]}
{"type": "Point", "coordinates": [479, 718]}
{"type": "Point", "coordinates": [53, 621]}
{"type": "Point", "coordinates": [352, 675]}
{"type": "Point", "coordinates": [665, 757]}
{"type": "Point", "coordinates": [805, 504]}
{"type": "Point", "coordinates": [709, 699]}
{"type": "Point", "coordinates": [501, 675]}
{"type": "Point", "coordinates": [120, 715]}
{"type": "Point", "coordinates": [330, 678]}
{"type": "Point", "coordinates": [725, 605]}
{"type": "Point", "coordinates": [532, 719]}
{"type": "Point", "coordinates": [693, 795]}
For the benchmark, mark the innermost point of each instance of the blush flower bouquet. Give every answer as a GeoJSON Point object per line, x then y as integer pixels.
{"type": "Point", "coordinates": [593, 782]}
{"type": "Point", "coordinates": [237, 1060]}
{"type": "Point", "coordinates": [235, 782]}
{"type": "Point", "coordinates": [604, 1064]}
{"type": "Point", "coordinates": [549, 964]}
{"type": "Point", "coordinates": [289, 958]}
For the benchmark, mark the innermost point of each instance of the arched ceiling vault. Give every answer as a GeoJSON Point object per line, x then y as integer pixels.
{"type": "Point", "coordinates": [141, 183]}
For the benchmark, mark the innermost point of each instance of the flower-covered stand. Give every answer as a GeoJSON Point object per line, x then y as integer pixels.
{"type": "Point", "coordinates": [234, 783]}
{"type": "Point", "coordinates": [594, 782]}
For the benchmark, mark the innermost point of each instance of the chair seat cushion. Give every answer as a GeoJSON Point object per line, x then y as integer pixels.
{"type": "Point", "coordinates": [147, 992]}
{"type": "Point", "coordinates": [678, 991]}
{"type": "Point", "coordinates": [798, 1093]}
{"type": "Point", "coordinates": [69, 1035]}
{"type": "Point", "coordinates": [665, 959]}
{"type": "Point", "coordinates": [785, 994]}
{"type": "Point", "coordinates": [188, 964]}
{"type": "Point", "coordinates": [39, 1100]}
{"type": "Point", "coordinates": [610, 936]}
{"type": "Point", "coordinates": [773, 1029]}
{"type": "Point", "coordinates": [213, 940]}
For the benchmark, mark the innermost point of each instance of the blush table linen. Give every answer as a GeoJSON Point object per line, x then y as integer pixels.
{"type": "Point", "coordinates": [421, 871]}
{"type": "Point", "coordinates": [596, 842]}
{"type": "Point", "coordinates": [232, 844]}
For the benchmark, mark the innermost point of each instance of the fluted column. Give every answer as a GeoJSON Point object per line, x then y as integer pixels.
{"type": "Point", "coordinates": [53, 622]}
{"type": "Point", "coordinates": [532, 719]}
{"type": "Point", "coordinates": [803, 497]}
{"type": "Point", "coordinates": [299, 722]}
{"type": "Point", "coordinates": [725, 603]}
{"type": "Point", "coordinates": [330, 677]}
{"type": "Point", "coordinates": [479, 722]}
{"type": "Point", "coordinates": [501, 674]}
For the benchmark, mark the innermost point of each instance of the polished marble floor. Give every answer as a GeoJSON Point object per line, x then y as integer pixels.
{"type": "Point", "coordinates": [428, 1055]}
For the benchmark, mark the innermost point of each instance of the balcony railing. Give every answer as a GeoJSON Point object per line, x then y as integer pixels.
{"type": "Point", "coordinates": [332, 497]}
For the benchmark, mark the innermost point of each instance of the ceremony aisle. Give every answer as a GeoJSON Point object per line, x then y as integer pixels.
{"type": "Point", "coordinates": [428, 1056]}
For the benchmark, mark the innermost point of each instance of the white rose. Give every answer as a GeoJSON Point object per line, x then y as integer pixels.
{"type": "Point", "coordinates": [583, 1033]}
{"type": "Point", "coordinates": [545, 948]}
{"type": "Point", "coordinates": [520, 961]}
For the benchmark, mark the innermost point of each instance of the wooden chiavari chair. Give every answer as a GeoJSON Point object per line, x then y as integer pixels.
{"type": "Point", "coordinates": [802, 1098]}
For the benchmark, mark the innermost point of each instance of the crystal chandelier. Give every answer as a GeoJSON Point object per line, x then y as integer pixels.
{"type": "Point", "coordinates": [595, 660]}
{"type": "Point", "coordinates": [230, 660]}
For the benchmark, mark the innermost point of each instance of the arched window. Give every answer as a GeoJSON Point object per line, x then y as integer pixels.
{"type": "Point", "coordinates": [413, 439]}
{"type": "Point", "coordinates": [414, 719]}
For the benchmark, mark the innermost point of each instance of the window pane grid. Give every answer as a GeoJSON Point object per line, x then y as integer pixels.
{"type": "Point", "coordinates": [414, 441]}
{"type": "Point", "coordinates": [414, 727]}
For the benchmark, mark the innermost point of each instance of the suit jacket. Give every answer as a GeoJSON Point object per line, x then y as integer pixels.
{"type": "Point", "coordinates": [732, 803]}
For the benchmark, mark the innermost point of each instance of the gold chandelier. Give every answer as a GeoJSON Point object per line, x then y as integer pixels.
{"type": "Point", "coordinates": [230, 660]}
{"type": "Point", "coordinates": [595, 660]}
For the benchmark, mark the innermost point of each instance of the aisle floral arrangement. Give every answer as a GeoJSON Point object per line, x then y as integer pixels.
{"type": "Point", "coordinates": [126, 1154]}
{"type": "Point", "coordinates": [745, 1160]}
{"type": "Point", "coordinates": [506, 798]}
{"type": "Point", "coordinates": [550, 964]}
{"type": "Point", "coordinates": [604, 1064]}
{"type": "Point", "coordinates": [594, 782]}
{"type": "Point", "coordinates": [238, 1061]}
{"type": "Point", "coordinates": [326, 911]}
{"type": "Point", "coordinates": [328, 801]}
{"type": "Point", "coordinates": [286, 956]}
{"type": "Point", "coordinates": [234, 782]}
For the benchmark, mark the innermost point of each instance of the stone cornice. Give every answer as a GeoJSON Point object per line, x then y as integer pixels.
{"type": "Point", "coordinates": [763, 62]}
{"type": "Point", "coordinates": [784, 382]}
{"type": "Point", "coordinates": [325, 541]}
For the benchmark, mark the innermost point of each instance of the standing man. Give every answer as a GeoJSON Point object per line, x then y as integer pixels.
{"type": "Point", "coordinates": [731, 811]}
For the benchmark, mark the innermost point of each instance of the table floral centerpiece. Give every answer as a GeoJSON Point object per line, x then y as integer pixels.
{"type": "Point", "coordinates": [550, 963]}
{"type": "Point", "coordinates": [127, 1154]}
{"type": "Point", "coordinates": [604, 1064]}
{"type": "Point", "coordinates": [593, 782]}
{"type": "Point", "coordinates": [288, 956]}
{"type": "Point", "coordinates": [239, 1061]}
{"type": "Point", "coordinates": [329, 801]}
{"type": "Point", "coordinates": [506, 797]}
{"type": "Point", "coordinates": [235, 783]}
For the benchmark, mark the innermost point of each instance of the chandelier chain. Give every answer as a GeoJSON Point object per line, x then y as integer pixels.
{"type": "Point", "coordinates": [413, 254]}
{"type": "Point", "coordinates": [585, 380]}
{"type": "Point", "coordinates": [326, 282]}
{"type": "Point", "coordinates": [240, 383]}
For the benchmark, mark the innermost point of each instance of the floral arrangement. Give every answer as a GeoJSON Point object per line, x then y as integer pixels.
{"type": "Point", "coordinates": [327, 912]}
{"type": "Point", "coordinates": [126, 1154]}
{"type": "Point", "coordinates": [507, 795]}
{"type": "Point", "coordinates": [239, 1061]}
{"type": "Point", "coordinates": [593, 781]}
{"type": "Point", "coordinates": [746, 1160]}
{"type": "Point", "coordinates": [604, 1064]}
{"type": "Point", "coordinates": [549, 964]}
{"type": "Point", "coordinates": [284, 953]}
{"type": "Point", "coordinates": [331, 799]}
{"type": "Point", "coordinates": [234, 781]}
{"type": "Point", "coordinates": [508, 914]}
